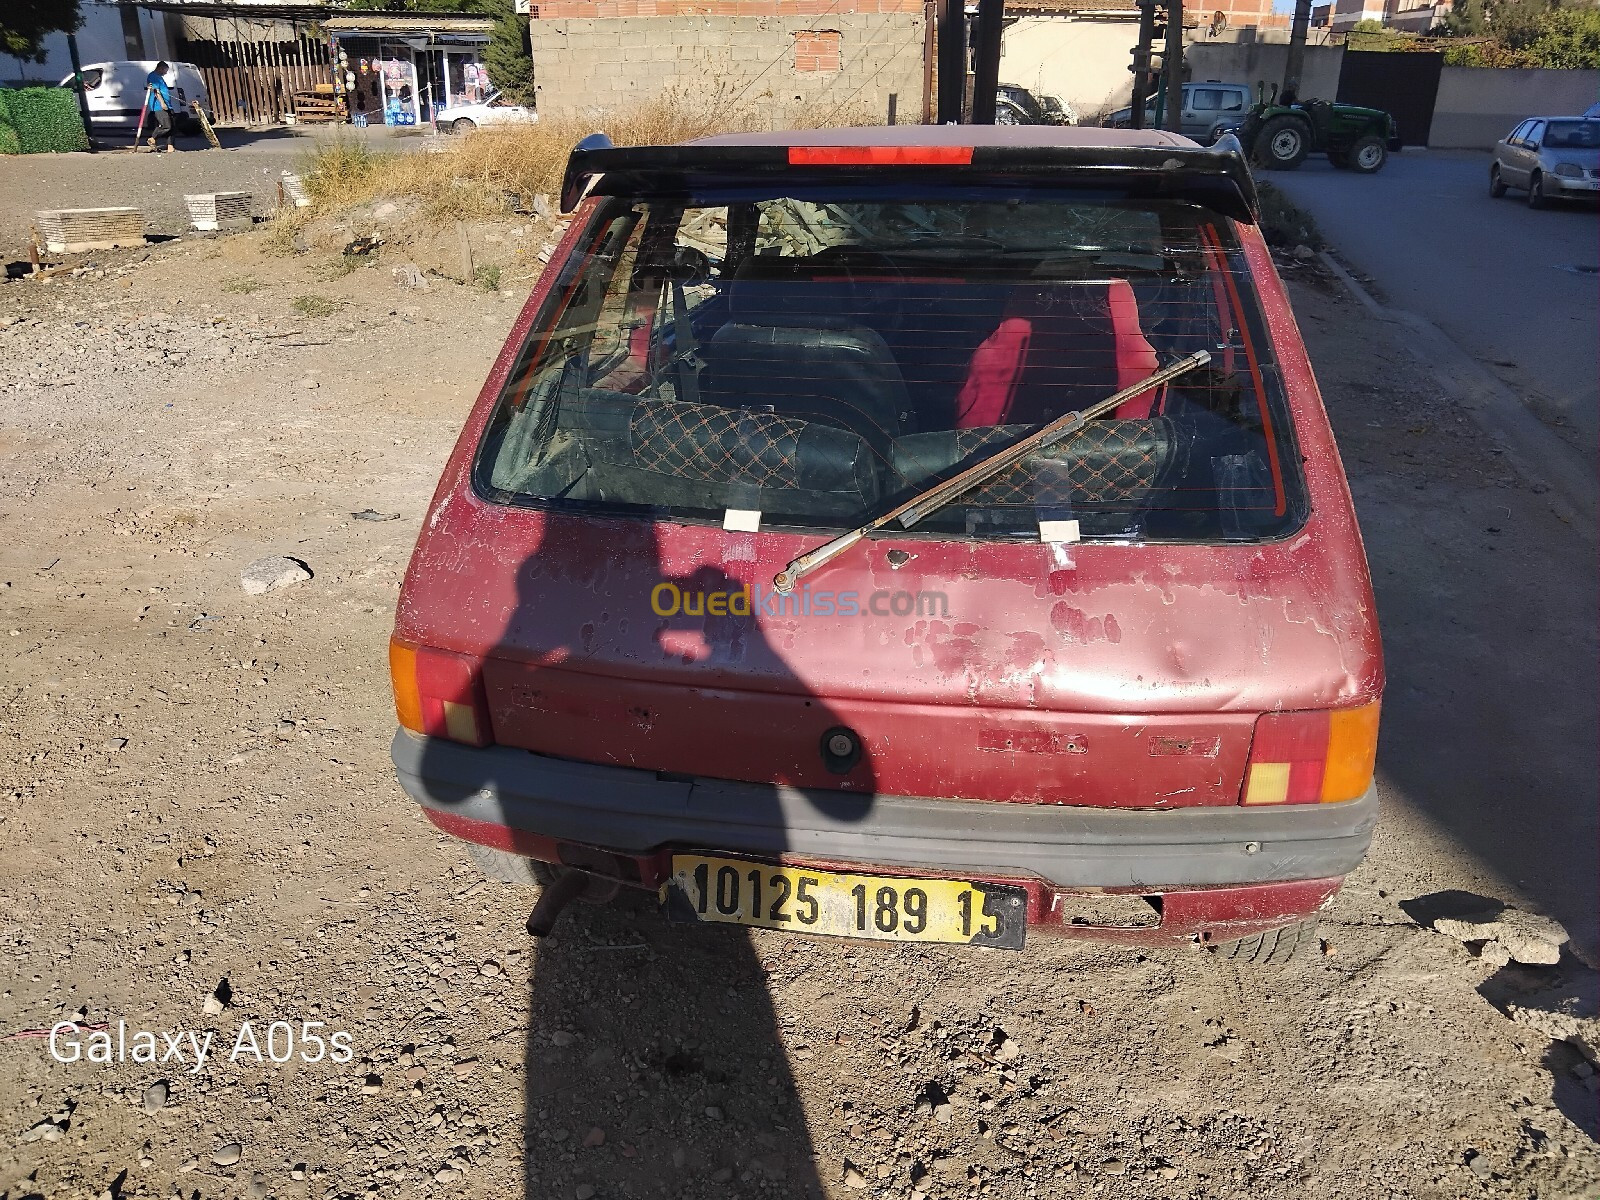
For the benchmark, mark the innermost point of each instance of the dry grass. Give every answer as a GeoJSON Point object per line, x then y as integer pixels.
{"type": "Point", "coordinates": [495, 171]}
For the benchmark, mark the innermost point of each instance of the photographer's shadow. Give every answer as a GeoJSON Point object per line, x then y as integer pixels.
{"type": "Point", "coordinates": [654, 1058]}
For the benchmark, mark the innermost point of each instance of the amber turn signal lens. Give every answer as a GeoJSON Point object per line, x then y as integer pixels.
{"type": "Point", "coordinates": [407, 695]}
{"type": "Point", "coordinates": [1352, 752]}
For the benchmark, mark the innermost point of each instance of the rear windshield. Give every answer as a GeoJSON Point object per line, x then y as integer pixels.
{"type": "Point", "coordinates": [820, 355]}
{"type": "Point", "coordinates": [1573, 135]}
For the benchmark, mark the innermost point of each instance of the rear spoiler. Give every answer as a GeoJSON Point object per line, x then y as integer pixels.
{"type": "Point", "coordinates": [1218, 178]}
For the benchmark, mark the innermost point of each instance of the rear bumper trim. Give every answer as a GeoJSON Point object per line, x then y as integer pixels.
{"type": "Point", "coordinates": [634, 812]}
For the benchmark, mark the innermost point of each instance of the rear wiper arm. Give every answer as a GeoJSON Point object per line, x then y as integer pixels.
{"type": "Point", "coordinates": [936, 497]}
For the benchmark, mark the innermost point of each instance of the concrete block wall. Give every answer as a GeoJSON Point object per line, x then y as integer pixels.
{"type": "Point", "coordinates": [588, 66]}
{"type": "Point", "coordinates": [1477, 106]}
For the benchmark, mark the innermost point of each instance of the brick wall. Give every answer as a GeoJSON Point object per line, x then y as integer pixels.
{"type": "Point", "coordinates": [793, 67]}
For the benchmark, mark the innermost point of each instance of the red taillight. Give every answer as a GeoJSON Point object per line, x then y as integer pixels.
{"type": "Point", "coordinates": [439, 693]}
{"type": "Point", "coordinates": [880, 156]}
{"type": "Point", "coordinates": [1318, 757]}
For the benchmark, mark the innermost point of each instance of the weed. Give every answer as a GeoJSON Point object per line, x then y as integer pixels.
{"type": "Point", "coordinates": [497, 171]}
{"type": "Point", "coordinates": [1283, 223]}
{"type": "Point", "coordinates": [315, 306]}
{"type": "Point", "coordinates": [339, 267]}
{"type": "Point", "coordinates": [487, 278]}
{"type": "Point", "coordinates": [242, 285]}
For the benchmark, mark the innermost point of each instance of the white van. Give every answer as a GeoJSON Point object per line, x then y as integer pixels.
{"type": "Point", "coordinates": [116, 93]}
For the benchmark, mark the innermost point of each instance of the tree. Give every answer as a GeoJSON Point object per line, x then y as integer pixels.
{"type": "Point", "coordinates": [508, 58]}
{"type": "Point", "coordinates": [1568, 38]}
{"type": "Point", "coordinates": [24, 24]}
{"type": "Point", "coordinates": [1466, 18]}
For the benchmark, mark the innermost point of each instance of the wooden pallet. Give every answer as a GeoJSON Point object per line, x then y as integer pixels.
{"type": "Point", "coordinates": [312, 108]}
{"type": "Point", "coordinates": [74, 230]}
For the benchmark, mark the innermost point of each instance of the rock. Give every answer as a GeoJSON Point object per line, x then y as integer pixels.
{"type": "Point", "coordinates": [713, 1112]}
{"type": "Point", "coordinates": [595, 1137]}
{"type": "Point", "coordinates": [408, 275]}
{"type": "Point", "coordinates": [372, 1085]}
{"type": "Point", "coordinates": [228, 1154]}
{"type": "Point", "coordinates": [489, 969]}
{"type": "Point", "coordinates": [1303, 253]}
{"type": "Point", "coordinates": [944, 1112]}
{"type": "Point", "coordinates": [854, 1178]}
{"type": "Point", "coordinates": [372, 514]}
{"type": "Point", "coordinates": [155, 1097]}
{"type": "Point", "coordinates": [116, 744]}
{"type": "Point", "coordinates": [722, 1175]}
{"type": "Point", "coordinates": [446, 1175]}
{"type": "Point", "coordinates": [384, 211]}
{"type": "Point", "coordinates": [562, 1038]}
{"type": "Point", "coordinates": [1527, 937]}
{"type": "Point", "coordinates": [1114, 1166]}
{"type": "Point", "coordinates": [584, 1191]}
{"type": "Point", "coordinates": [1568, 1012]}
{"type": "Point", "coordinates": [309, 383]}
{"type": "Point", "coordinates": [270, 574]}
{"type": "Point", "coordinates": [258, 1187]}
{"type": "Point", "coordinates": [44, 1131]}
{"type": "Point", "coordinates": [217, 1001]}
{"type": "Point", "coordinates": [542, 206]}
{"type": "Point", "coordinates": [1495, 955]}
{"type": "Point", "coordinates": [1007, 1049]}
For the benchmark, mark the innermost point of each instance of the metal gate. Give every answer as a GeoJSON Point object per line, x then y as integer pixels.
{"type": "Point", "coordinates": [1403, 85]}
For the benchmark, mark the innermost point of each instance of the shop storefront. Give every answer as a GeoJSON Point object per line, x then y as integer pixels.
{"type": "Point", "coordinates": [402, 69]}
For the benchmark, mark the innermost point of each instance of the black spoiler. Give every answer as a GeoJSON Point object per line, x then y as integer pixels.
{"type": "Point", "coordinates": [1218, 178]}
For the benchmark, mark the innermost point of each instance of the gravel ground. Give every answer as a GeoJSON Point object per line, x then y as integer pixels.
{"type": "Point", "coordinates": [202, 833]}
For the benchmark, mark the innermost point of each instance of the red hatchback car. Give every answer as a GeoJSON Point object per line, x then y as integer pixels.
{"type": "Point", "coordinates": [919, 534]}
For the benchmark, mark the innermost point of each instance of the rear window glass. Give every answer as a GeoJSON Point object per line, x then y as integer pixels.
{"type": "Point", "coordinates": [1573, 135]}
{"type": "Point", "coordinates": [820, 356]}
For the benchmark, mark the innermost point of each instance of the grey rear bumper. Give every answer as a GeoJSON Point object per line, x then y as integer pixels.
{"type": "Point", "coordinates": [635, 812]}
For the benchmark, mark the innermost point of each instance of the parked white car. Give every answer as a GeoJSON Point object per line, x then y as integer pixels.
{"type": "Point", "coordinates": [493, 109]}
{"type": "Point", "coordinates": [115, 91]}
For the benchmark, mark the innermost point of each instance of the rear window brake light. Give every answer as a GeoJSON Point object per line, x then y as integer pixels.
{"type": "Point", "coordinates": [880, 156]}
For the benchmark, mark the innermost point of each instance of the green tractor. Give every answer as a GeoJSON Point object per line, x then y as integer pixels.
{"type": "Point", "coordinates": [1279, 136]}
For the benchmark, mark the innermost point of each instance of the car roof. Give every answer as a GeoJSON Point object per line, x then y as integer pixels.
{"type": "Point", "coordinates": [1008, 136]}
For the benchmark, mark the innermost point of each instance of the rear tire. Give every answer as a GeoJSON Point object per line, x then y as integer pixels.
{"type": "Point", "coordinates": [1497, 187]}
{"type": "Point", "coordinates": [1283, 143]}
{"type": "Point", "coordinates": [1368, 155]}
{"type": "Point", "coordinates": [1536, 196]}
{"type": "Point", "coordinates": [463, 125]}
{"type": "Point", "coordinates": [1271, 949]}
{"type": "Point", "coordinates": [506, 867]}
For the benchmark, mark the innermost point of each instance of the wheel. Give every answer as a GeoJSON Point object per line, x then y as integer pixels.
{"type": "Point", "coordinates": [1283, 143]}
{"type": "Point", "coordinates": [506, 867]}
{"type": "Point", "coordinates": [1497, 187]}
{"type": "Point", "coordinates": [1368, 155]}
{"type": "Point", "coordinates": [1339, 159]}
{"type": "Point", "coordinates": [463, 125]}
{"type": "Point", "coordinates": [1536, 196]}
{"type": "Point", "coordinates": [1005, 114]}
{"type": "Point", "coordinates": [1271, 949]}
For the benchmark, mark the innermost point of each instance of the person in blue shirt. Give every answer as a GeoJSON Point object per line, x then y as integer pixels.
{"type": "Point", "coordinates": [160, 97]}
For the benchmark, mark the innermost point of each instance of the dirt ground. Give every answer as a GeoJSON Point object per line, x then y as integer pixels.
{"type": "Point", "coordinates": [195, 788]}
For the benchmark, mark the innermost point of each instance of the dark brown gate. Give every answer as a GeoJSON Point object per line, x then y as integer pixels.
{"type": "Point", "coordinates": [1403, 85]}
{"type": "Point", "coordinates": [251, 82]}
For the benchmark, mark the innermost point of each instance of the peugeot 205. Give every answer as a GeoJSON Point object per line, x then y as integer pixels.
{"type": "Point", "coordinates": [913, 534]}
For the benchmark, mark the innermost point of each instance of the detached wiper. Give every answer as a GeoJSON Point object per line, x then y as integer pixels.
{"type": "Point", "coordinates": [936, 497]}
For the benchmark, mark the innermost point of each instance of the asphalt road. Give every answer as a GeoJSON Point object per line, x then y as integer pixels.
{"type": "Point", "coordinates": [1515, 288]}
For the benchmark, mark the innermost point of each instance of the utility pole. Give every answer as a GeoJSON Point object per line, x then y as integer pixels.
{"type": "Point", "coordinates": [1172, 63]}
{"type": "Point", "coordinates": [1297, 53]}
{"type": "Point", "coordinates": [77, 86]}
{"type": "Point", "coordinates": [986, 72]}
{"type": "Point", "coordinates": [952, 61]}
{"type": "Point", "coordinates": [1141, 63]}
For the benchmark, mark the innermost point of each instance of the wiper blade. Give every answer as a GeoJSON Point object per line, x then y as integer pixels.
{"type": "Point", "coordinates": [936, 497]}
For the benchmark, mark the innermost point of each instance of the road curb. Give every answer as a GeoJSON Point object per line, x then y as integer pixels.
{"type": "Point", "coordinates": [1538, 452]}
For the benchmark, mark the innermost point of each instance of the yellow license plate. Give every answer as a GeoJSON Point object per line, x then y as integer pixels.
{"type": "Point", "coordinates": [734, 891]}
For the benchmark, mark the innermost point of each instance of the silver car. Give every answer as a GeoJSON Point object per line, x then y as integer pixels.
{"type": "Point", "coordinates": [1552, 157]}
{"type": "Point", "coordinates": [1209, 107]}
